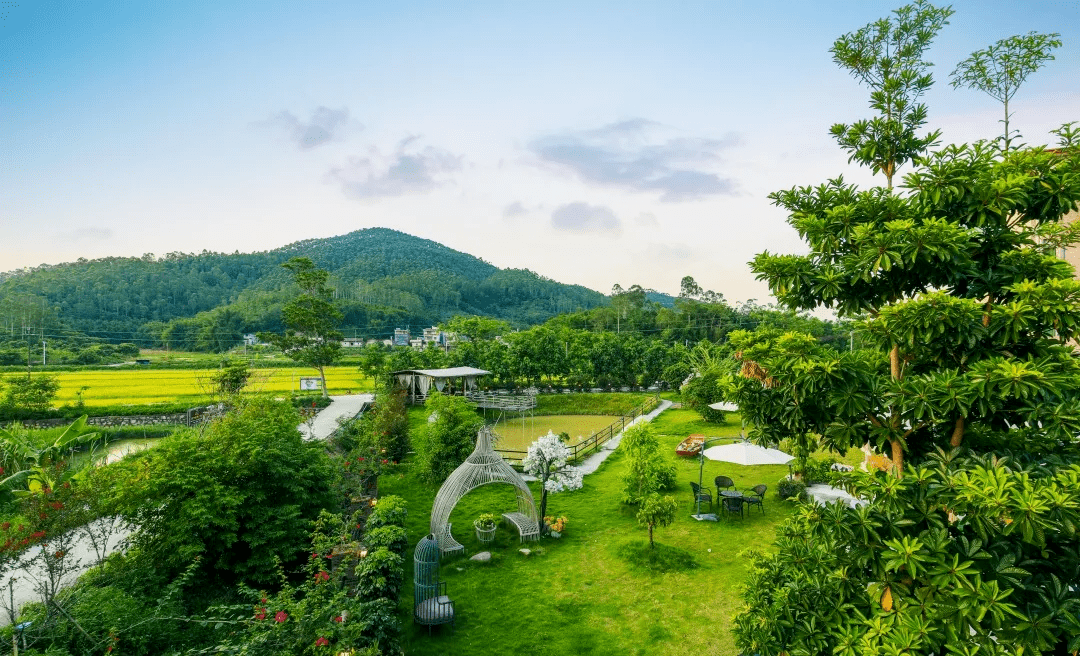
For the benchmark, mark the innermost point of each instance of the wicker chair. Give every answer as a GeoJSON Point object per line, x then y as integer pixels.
{"type": "Point", "coordinates": [701, 494]}
{"type": "Point", "coordinates": [732, 505]}
{"type": "Point", "coordinates": [724, 483]}
{"type": "Point", "coordinates": [756, 497]}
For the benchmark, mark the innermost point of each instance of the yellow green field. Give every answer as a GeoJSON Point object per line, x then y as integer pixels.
{"type": "Point", "coordinates": [138, 386]}
{"type": "Point", "coordinates": [518, 434]}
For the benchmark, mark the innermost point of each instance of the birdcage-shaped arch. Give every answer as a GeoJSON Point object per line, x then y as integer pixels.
{"type": "Point", "coordinates": [482, 467]}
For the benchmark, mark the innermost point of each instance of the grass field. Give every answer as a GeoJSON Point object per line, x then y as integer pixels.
{"type": "Point", "coordinates": [149, 385]}
{"type": "Point", "coordinates": [518, 434]}
{"type": "Point", "coordinates": [582, 594]}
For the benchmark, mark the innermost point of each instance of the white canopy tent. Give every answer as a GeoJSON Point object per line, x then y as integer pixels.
{"type": "Point", "coordinates": [418, 383]}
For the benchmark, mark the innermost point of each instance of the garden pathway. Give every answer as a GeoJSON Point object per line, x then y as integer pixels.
{"type": "Point", "coordinates": [328, 419]}
{"type": "Point", "coordinates": [592, 463]}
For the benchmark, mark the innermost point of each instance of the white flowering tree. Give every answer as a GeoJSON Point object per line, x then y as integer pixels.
{"type": "Point", "coordinates": [546, 460]}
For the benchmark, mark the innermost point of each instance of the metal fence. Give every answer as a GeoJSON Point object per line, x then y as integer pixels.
{"type": "Point", "coordinates": [592, 443]}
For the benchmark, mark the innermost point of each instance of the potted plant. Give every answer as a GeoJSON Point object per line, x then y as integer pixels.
{"type": "Point", "coordinates": [485, 527]}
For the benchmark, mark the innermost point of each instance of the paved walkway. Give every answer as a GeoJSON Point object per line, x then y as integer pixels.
{"type": "Point", "coordinates": [341, 408]}
{"type": "Point", "coordinates": [592, 463]}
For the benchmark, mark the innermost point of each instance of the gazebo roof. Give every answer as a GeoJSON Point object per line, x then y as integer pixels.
{"type": "Point", "coordinates": [452, 372]}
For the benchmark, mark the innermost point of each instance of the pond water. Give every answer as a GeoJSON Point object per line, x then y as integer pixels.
{"type": "Point", "coordinates": [115, 451]}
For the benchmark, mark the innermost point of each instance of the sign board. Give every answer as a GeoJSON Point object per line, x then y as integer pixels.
{"type": "Point", "coordinates": [401, 339]}
{"type": "Point", "coordinates": [310, 384]}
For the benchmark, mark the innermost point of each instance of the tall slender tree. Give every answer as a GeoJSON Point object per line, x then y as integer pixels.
{"type": "Point", "coordinates": [1000, 69]}
{"type": "Point", "coordinates": [887, 57]}
{"type": "Point", "coordinates": [311, 319]}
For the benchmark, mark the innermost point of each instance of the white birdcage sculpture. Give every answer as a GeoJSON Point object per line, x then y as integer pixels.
{"type": "Point", "coordinates": [482, 467]}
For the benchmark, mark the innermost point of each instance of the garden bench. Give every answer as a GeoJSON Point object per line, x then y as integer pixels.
{"type": "Point", "coordinates": [527, 527]}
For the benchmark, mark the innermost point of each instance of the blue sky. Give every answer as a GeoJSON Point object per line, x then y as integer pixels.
{"type": "Point", "coordinates": [594, 143]}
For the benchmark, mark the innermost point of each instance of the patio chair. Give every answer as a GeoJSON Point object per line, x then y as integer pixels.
{"type": "Point", "coordinates": [701, 494]}
{"type": "Point", "coordinates": [724, 483]}
{"type": "Point", "coordinates": [756, 496]}
{"type": "Point", "coordinates": [732, 505]}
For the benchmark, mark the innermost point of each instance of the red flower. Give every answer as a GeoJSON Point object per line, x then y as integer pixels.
{"type": "Point", "coordinates": [358, 526]}
{"type": "Point", "coordinates": [47, 489]}
{"type": "Point", "coordinates": [322, 576]}
{"type": "Point", "coordinates": [59, 555]}
{"type": "Point", "coordinates": [339, 618]}
{"type": "Point", "coordinates": [43, 515]}
{"type": "Point", "coordinates": [260, 613]}
{"type": "Point", "coordinates": [263, 600]}
{"type": "Point", "coordinates": [20, 528]}
{"type": "Point", "coordinates": [360, 460]}
{"type": "Point", "coordinates": [67, 485]}
{"type": "Point", "coordinates": [280, 616]}
{"type": "Point", "coordinates": [385, 461]}
{"type": "Point", "coordinates": [7, 525]}
{"type": "Point", "coordinates": [321, 642]}
{"type": "Point", "coordinates": [56, 505]}
{"type": "Point", "coordinates": [37, 534]}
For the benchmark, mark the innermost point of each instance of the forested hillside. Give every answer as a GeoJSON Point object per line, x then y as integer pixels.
{"type": "Point", "coordinates": [382, 278]}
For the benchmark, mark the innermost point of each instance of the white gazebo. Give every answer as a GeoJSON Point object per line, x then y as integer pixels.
{"type": "Point", "coordinates": [482, 467]}
{"type": "Point", "coordinates": [418, 383]}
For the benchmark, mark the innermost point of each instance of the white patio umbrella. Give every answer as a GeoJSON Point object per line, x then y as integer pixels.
{"type": "Point", "coordinates": [745, 453]}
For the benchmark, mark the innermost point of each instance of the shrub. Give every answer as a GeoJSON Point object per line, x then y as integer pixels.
{"type": "Point", "coordinates": [241, 493]}
{"type": "Point", "coordinates": [445, 442]}
{"type": "Point", "coordinates": [379, 574]}
{"type": "Point", "coordinates": [389, 511]}
{"type": "Point", "coordinates": [393, 538]}
{"type": "Point", "coordinates": [788, 488]}
{"type": "Point", "coordinates": [648, 470]}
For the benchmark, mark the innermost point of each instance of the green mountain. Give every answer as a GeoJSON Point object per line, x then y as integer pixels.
{"type": "Point", "coordinates": [383, 279]}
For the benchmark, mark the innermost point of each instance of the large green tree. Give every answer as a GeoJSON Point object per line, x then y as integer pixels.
{"type": "Point", "coordinates": [311, 319]}
{"type": "Point", "coordinates": [970, 381]}
{"type": "Point", "coordinates": [240, 493]}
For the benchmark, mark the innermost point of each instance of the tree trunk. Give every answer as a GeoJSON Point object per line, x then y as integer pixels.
{"type": "Point", "coordinates": [958, 432]}
{"type": "Point", "coordinates": [897, 457]}
{"type": "Point", "coordinates": [897, 449]}
{"type": "Point", "coordinates": [543, 504]}
{"type": "Point", "coordinates": [651, 545]}
{"type": "Point", "coordinates": [322, 375]}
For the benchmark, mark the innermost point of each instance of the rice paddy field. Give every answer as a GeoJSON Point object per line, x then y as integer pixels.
{"type": "Point", "coordinates": [517, 434]}
{"type": "Point", "coordinates": [138, 386]}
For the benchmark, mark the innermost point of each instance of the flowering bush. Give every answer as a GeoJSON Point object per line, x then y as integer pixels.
{"type": "Point", "coordinates": [546, 459]}
{"type": "Point", "coordinates": [557, 524]}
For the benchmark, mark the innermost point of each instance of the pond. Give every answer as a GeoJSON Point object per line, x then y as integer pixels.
{"type": "Point", "coordinates": [115, 451]}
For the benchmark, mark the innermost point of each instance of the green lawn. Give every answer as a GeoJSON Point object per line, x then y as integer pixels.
{"type": "Point", "coordinates": [579, 594]}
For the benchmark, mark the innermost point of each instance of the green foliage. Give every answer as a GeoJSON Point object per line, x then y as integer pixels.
{"type": "Point", "coordinates": [656, 511]}
{"type": "Point", "coordinates": [887, 57]}
{"type": "Point", "coordinates": [1000, 69]}
{"type": "Point", "coordinates": [444, 443]}
{"type": "Point", "coordinates": [389, 511]}
{"type": "Point", "coordinates": [390, 423]}
{"type": "Point", "coordinates": [702, 391]}
{"type": "Point", "coordinates": [391, 537]}
{"type": "Point", "coordinates": [788, 488]}
{"type": "Point", "coordinates": [379, 574]}
{"type": "Point", "coordinates": [647, 469]}
{"type": "Point", "coordinates": [975, 550]}
{"type": "Point", "coordinates": [487, 520]}
{"type": "Point", "coordinates": [311, 320]}
{"type": "Point", "coordinates": [30, 394]}
{"type": "Point", "coordinates": [969, 378]}
{"type": "Point", "coordinates": [231, 378]}
{"type": "Point", "coordinates": [239, 493]}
